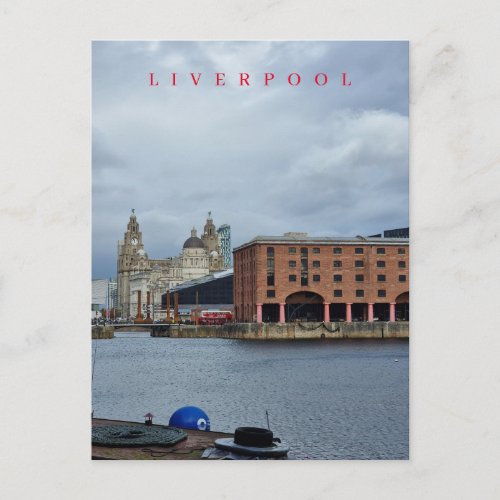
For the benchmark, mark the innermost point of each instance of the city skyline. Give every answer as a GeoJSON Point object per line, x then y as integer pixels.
{"type": "Point", "coordinates": [330, 161]}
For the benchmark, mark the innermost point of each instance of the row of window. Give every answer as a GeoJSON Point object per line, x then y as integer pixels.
{"type": "Point", "coordinates": [338, 263]}
{"type": "Point", "coordinates": [338, 293]}
{"type": "Point", "coordinates": [338, 277]}
{"type": "Point", "coordinates": [336, 250]}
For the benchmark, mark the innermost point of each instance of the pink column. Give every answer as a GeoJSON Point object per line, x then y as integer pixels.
{"type": "Point", "coordinates": [370, 311]}
{"type": "Point", "coordinates": [282, 313]}
{"type": "Point", "coordinates": [326, 313]}
{"type": "Point", "coordinates": [392, 311]}
{"type": "Point", "coordinates": [259, 313]}
{"type": "Point", "coordinates": [348, 315]}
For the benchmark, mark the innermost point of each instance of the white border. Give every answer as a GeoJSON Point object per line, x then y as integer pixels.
{"type": "Point", "coordinates": [45, 248]}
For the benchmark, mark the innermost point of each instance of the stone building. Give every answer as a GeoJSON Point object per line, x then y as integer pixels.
{"type": "Point", "coordinates": [299, 278]}
{"type": "Point", "coordinates": [136, 272]}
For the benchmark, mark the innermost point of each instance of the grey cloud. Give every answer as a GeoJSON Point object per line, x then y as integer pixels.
{"type": "Point", "coordinates": [329, 160]}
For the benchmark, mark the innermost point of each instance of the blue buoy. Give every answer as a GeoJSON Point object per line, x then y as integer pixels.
{"type": "Point", "coordinates": [190, 417]}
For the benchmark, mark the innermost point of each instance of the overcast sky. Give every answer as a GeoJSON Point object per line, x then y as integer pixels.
{"type": "Point", "coordinates": [329, 160]}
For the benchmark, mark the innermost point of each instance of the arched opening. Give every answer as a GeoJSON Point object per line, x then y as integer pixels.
{"type": "Point", "coordinates": [270, 313]}
{"type": "Point", "coordinates": [403, 307]}
{"type": "Point", "coordinates": [359, 312]}
{"type": "Point", "coordinates": [381, 312]}
{"type": "Point", "coordinates": [304, 306]}
{"type": "Point", "coordinates": [337, 312]}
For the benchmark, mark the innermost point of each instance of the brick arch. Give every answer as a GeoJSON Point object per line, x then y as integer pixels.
{"type": "Point", "coordinates": [402, 307]}
{"type": "Point", "coordinates": [304, 306]}
{"type": "Point", "coordinates": [304, 297]}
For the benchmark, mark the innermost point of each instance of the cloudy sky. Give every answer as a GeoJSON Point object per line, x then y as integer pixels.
{"type": "Point", "coordinates": [329, 160]}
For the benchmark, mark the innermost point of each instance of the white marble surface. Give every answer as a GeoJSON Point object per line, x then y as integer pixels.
{"type": "Point", "coordinates": [45, 248]}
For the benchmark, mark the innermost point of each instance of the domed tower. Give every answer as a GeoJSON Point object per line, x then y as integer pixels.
{"type": "Point", "coordinates": [127, 259]}
{"type": "Point", "coordinates": [210, 239]}
{"type": "Point", "coordinates": [194, 258]}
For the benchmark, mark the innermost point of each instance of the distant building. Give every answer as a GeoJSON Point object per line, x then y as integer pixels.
{"type": "Point", "coordinates": [299, 278]}
{"type": "Point", "coordinates": [147, 278]}
{"type": "Point", "coordinates": [224, 233]}
{"type": "Point", "coordinates": [214, 291]}
{"type": "Point", "coordinates": [403, 232]}
{"type": "Point", "coordinates": [104, 294]}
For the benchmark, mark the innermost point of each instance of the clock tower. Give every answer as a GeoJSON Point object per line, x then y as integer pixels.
{"type": "Point", "coordinates": [128, 259]}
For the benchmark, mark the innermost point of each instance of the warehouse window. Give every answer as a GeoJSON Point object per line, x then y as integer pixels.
{"type": "Point", "coordinates": [315, 263]}
{"type": "Point", "coordinates": [402, 277]}
{"type": "Point", "coordinates": [337, 250]}
{"type": "Point", "coordinates": [381, 293]}
{"type": "Point", "coordinates": [337, 293]}
{"type": "Point", "coordinates": [360, 293]}
{"type": "Point", "coordinates": [316, 250]}
{"type": "Point", "coordinates": [292, 263]}
{"type": "Point", "coordinates": [358, 263]}
{"type": "Point", "coordinates": [401, 251]}
{"type": "Point", "coordinates": [292, 277]}
{"type": "Point", "coordinates": [402, 264]}
{"type": "Point", "coordinates": [270, 251]}
{"type": "Point", "coordinates": [271, 293]}
{"type": "Point", "coordinates": [337, 263]}
{"type": "Point", "coordinates": [360, 277]}
{"type": "Point", "coordinates": [316, 277]}
{"type": "Point", "coordinates": [292, 250]}
{"type": "Point", "coordinates": [358, 250]}
{"type": "Point", "coordinates": [380, 277]}
{"type": "Point", "coordinates": [337, 277]}
{"type": "Point", "coordinates": [380, 263]}
{"type": "Point", "coordinates": [381, 251]}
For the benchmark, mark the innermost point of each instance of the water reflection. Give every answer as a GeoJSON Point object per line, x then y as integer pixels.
{"type": "Point", "coordinates": [327, 399]}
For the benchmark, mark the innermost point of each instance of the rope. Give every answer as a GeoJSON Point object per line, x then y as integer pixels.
{"type": "Point", "coordinates": [319, 326]}
{"type": "Point", "coordinates": [175, 451]}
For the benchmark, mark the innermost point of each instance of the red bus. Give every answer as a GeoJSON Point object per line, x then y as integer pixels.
{"type": "Point", "coordinates": [214, 317]}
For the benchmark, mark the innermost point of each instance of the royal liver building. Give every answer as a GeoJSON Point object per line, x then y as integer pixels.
{"type": "Point", "coordinates": [137, 272]}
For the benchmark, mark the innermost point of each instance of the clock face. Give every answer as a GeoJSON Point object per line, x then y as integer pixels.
{"type": "Point", "coordinates": [134, 241]}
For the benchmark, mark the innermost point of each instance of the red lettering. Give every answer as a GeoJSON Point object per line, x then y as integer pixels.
{"type": "Point", "coordinates": [290, 79]}
{"type": "Point", "coordinates": [151, 80]}
{"type": "Point", "coordinates": [244, 78]}
{"type": "Point", "coordinates": [267, 78]}
{"type": "Point", "coordinates": [325, 79]}
{"type": "Point", "coordinates": [174, 79]}
{"type": "Point", "coordinates": [344, 80]}
{"type": "Point", "coordinates": [195, 81]}
{"type": "Point", "coordinates": [219, 79]}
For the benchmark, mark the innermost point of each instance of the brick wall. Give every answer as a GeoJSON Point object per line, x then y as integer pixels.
{"type": "Point", "coordinates": [251, 273]}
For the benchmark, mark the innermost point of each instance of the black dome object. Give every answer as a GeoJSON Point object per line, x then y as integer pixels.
{"type": "Point", "coordinates": [193, 242]}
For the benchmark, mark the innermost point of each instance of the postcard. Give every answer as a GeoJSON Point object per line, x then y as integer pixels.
{"type": "Point", "coordinates": [251, 251]}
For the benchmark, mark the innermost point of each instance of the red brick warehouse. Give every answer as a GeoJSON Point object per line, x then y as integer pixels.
{"type": "Point", "coordinates": [299, 278]}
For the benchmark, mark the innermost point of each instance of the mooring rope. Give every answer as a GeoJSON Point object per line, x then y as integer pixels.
{"type": "Point", "coordinates": [174, 451]}
{"type": "Point", "coordinates": [319, 326]}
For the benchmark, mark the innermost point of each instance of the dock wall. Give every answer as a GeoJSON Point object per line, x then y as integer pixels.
{"type": "Point", "coordinates": [290, 331]}
{"type": "Point", "coordinates": [103, 332]}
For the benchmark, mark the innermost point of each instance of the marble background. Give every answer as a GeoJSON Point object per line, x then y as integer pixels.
{"type": "Point", "coordinates": [45, 200]}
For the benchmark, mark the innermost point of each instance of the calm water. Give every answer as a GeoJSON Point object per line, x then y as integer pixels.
{"type": "Point", "coordinates": [342, 399]}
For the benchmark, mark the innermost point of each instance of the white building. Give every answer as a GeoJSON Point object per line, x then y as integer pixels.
{"type": "Point", "coordinates": [138, 273]}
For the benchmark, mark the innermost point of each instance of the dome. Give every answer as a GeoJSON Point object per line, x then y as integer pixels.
{"type": "Point", "coordinates": [214, 253]}
{"type": "Point", "coordinates": [193, 242]}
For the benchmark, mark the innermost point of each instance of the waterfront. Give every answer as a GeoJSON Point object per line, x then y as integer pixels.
{"type": "Point", "coordinates": [329, 399]}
